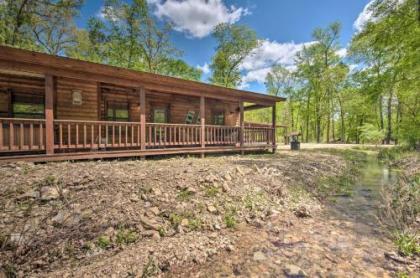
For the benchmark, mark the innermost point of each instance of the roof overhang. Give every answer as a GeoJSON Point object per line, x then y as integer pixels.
{"type": "Point", "coordinates": [18, 60]}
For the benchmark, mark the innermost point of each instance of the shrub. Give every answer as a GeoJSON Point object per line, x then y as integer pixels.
{"type": "Point", "coordinates": [408, 244]}
{"type": "Point", "coordinates": [103, 242]}
{"type": "Point", "coordinates": [184, 195]}
{"type": "Point", "coordinates": [126, 236]}
{"type": "Point", "coordinates": [211, 191]}
{"type": "Point", "coordinates": [230, 218]}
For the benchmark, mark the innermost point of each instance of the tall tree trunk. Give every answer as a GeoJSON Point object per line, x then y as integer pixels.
{"type": "Point", "coordinates": [318, 123]}
{"type": "Point", "coordinates": [307, 120]}
{"type": "Point", "coordinates": [342, 128]}
{"type": "Point", "coordinates": [389, 118]}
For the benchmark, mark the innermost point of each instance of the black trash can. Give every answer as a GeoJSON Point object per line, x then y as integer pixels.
{"type": "Point", "coordinates": [295, 145]}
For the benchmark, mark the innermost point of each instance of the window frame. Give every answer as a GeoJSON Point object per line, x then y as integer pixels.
{"type": "Point", "coordinates": [115, 106]}
{"type": "Point", "coordinates": [27, 99]}
{"type": "Point", "coordinates": [216, 114]}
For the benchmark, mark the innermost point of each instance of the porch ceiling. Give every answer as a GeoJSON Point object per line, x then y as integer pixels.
{"type": "Point", "coordinates": [12, 59]}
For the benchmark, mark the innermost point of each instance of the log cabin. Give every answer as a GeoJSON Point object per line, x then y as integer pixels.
{"type": "Point", "coordinates": [56, 108]}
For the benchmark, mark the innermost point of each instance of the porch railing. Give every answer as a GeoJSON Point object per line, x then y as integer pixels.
{"type": "Point", "coordinates": [23, 135]}
{"type": "Point", "coordinates": [164, 135]}
{"type": "Point", "coordinates": [222, 135]}
{"type": "Point", "coordinates": [258, 135]}
{"type": "Point", "coordinates": [71, 134]}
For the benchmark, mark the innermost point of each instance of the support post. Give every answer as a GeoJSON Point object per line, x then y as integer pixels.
{"type": "Point", "coordinates": [273, 123]}
{"type": "Point", "coordinates": [241, 124]}
{"type": "Point", "coordinates": [142, 95]}
{"type": "Point", "coordinates": [49, 114]}
{"type": "Point", "coordinates": [203, 123]}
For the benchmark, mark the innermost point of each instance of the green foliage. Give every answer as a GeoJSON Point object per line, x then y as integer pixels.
{"type": "Point", "coordinates": [235, 43]}
{"type": "Point", "coordinates": [126, 236]}
{"type": "Point", "coordinates": [103, 242]}
{"type": "Point", "coordinates": [194, 224]}
{"type": "Point", "coordinates": [184, 194]}
{"type": "Point", "coordinates": [408, 244]}
{"type": "Point", "coordinates": [212, 191]}
{"type": "Point", "coordinates": [175, 219]}
{"type": "Point", "coordinates": [230, 218]}
{"type": "Point", "coordinates": [371, 134]}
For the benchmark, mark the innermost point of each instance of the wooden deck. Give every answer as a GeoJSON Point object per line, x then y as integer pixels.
{"type": "Point", "coordinates": [25, 139]}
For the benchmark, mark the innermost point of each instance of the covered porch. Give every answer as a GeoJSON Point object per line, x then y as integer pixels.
{"type": "Point", "coordinates": [47, 114]}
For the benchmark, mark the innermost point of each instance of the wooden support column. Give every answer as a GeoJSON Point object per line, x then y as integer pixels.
{"type": "Point", "coordinates": [142, 94]}
{"type": "Point", "coordinates": [241, 124]}
{"type": "Point", "coordinates": [49, 114]}
{"type": "Point", "coordinates": [273, 123]}
{"type": "Point", "coordinates": [203, 123]}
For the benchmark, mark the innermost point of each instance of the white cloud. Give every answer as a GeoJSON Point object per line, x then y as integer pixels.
{"type": "Point", "coordinates": [257, 65]}
{"type": "Point", "coordinates": [342, 52]}
{"type": "Point", "coordinates": [204, 68]}
{"type": "Point", "coordinates": [367, 15]}
{"type": "Point", "coordinates": [196, 18]}
{"type": "Point", "coordinates": [364, 17]}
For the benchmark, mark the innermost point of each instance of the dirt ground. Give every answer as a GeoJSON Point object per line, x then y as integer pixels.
{"type": "Point", "coordinates": [249, 216]}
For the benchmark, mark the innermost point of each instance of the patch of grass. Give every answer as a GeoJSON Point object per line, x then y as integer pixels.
{"type": "Point", "coordinates": [212, 191]}
{"type": "Point", "coordinates": [126, 236]}
{"type": "Point", "coordinates": [253, 199]}
{"type": "Point", "coordinates": [194, 224]}
{"type": "Point", "coordinates": [175, 219]}
{"type": "Point", "coordinates": [103, 242]}
{"type": "Point", "coordinates": [150, 269]}
{"type": "Point", "coordinates": [230, 218]}
{"type": "Point", "coordinates": [394, 153]}
{"type": "Point", "coordinates": [162, 231]}
{"type": "Point", "coordinates": [184, 195]}
{"type": "Point", "coordinates": [408, 244]}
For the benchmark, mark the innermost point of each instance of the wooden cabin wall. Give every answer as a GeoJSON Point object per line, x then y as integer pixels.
{"type": "Point", "coordinates": [66, 110]}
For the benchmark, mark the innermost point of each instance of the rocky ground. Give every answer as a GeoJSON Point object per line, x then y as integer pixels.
{"type": "Point", "coordinates": [255, 215]}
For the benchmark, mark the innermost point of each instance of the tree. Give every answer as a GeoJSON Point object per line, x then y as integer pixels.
{"type": "Point", "coordinates": [280, 82]}
{"type": "Point", "coordinates": [53, 26]}
{"type": "Point", "coordinates": [235, 43]}
{"type": "Point", "coordinates": [44, 25]}
{"type": "Point", "coordinates": [371, 134]}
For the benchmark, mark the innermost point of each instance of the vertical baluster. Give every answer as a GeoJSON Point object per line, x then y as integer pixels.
{"type": "Point", "coordinates": [77, 135]}
{"type": "Point", "coordinates": [1, 135]}
{"type": "Point", "coordinates": [138, 135]}
{"type": "Point", "coordinates": [60, 129]}
{"type": "Point", "coordinates": [21, 135]}
{"type": "Point", "coordinates": [119, 135]}
{"type": "Point", "coordinates": [106, 135]}
{"type": "Point", "coordinates": [84, 135]}
{"type": "Point", "coordinates": [99, 136]}
{"type": "Point", "coordinates": [126, 134]}
{"type": "Point", "coordinates": [150, 135]}
{"type": "Point", "coordinates": [68, 135]}
{"type": "Point", "coordinates": [41, 136]}
{"type": "Point", "coordinates": [132, 135]}
{"type": "Point", "coordinates": [31, 135]}
{"type": "Point", "coordinates": [92, 135]}
{"type": "Point", "coordinates": [11, 136]}
{"type": "Point", "coordinates": [113, 135]}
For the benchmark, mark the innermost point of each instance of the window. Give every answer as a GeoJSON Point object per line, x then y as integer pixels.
{"type": "Point", "coordinates": [117, 112]}
{"type": "Point", "coordinates": [189, 118]}
{"type": "Point", "coordinates": [159, 115]}
{"type": "Point", "coordinates": [28, 106]}
{"type": "Point", "coordinates": [219, 118]}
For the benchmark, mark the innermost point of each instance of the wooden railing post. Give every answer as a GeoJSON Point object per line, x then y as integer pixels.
{"type": "Point", "coordinates": [49, 114]}
{"type": "Point", "coordinates": [142, 93]}
{"type": "Point", "coordinates": [241, 124]}
{"type": "Point", "coordinates": [203, 123]}
{"type": "Point", "coordinates": [273, 122]}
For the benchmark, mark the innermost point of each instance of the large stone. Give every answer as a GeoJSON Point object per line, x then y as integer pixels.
{"type": "Point", "coordinates": [259, 256]}
{"type": "Point", "coordinates": [149, 223]}
{"type": "Point", "coordinates": [49, 193]}
{"type": "Point", "coordinates": [294, 271]}
{"type": "Point", "coordinates": [211, 209]}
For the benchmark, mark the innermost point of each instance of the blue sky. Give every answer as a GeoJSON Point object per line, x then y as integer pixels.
{"type": "Point", "coordinates": [282, 25]}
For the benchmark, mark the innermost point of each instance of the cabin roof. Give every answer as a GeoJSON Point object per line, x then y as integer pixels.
{"type": "Point", "coordinates": [14, 59]}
